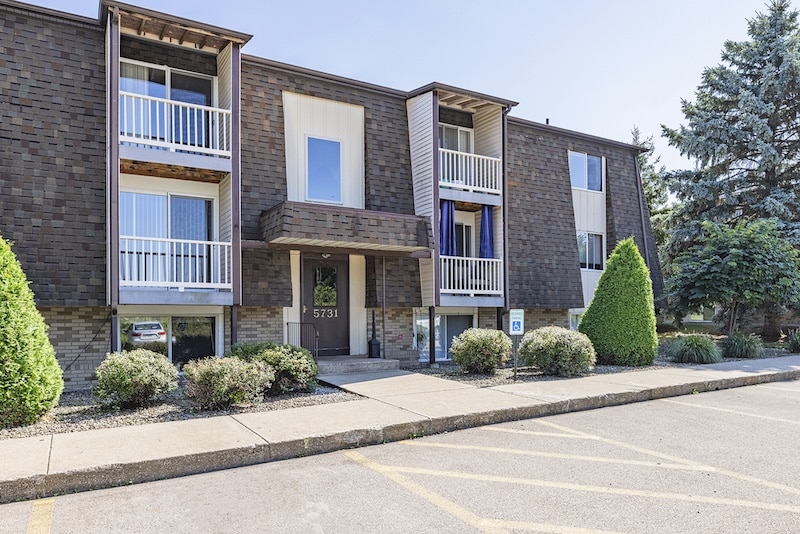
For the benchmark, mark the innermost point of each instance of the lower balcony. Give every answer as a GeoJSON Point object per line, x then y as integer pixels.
{"type": "Point", "coordinates": [174, 271]}
{"type": "Point", "coordinates": [471, 281]}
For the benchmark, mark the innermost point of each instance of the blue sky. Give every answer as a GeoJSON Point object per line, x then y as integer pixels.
{"type": "Point", "coordinates": [594, 66]}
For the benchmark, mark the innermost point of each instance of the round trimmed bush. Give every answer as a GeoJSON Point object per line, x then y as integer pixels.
{"type": "Point", "coordinates": [481, 350]}
{"type": "Point", "coordinates": [620, 319]}
{"type": "Point", "coordinates": [738, 345]}
{"type": "Point", "coordinates": [557, 351]}
{"type": "Point", "coordinates": [219, 383]}
{"type": "Point", "coordinates": [694, 348]}
{"type": "Point", "coordinates": [31, 380]}
{"type": "Point", "coordinates": [295, 368]}
{"type": "Point", "coordinates": [131, 379]}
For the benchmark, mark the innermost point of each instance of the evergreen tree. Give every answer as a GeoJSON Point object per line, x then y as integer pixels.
{"type": "Point", "coordinates": [620, 320]}
{"type": "Point", "coordinates": [654, 184]}
{"type": "Point", "coordinates": [743, 133]}
{"type": "Point", "coordinates": [30, 377]}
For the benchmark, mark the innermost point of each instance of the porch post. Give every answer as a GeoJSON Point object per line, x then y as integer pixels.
{"type": "Point", "coordinates": [431, 334]}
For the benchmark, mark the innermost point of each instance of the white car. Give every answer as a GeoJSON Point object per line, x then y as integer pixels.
{"type": "Point", "coordinates": [150, 332]}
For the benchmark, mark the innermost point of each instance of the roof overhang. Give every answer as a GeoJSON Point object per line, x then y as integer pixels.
{"type": "Point", "coordinates": [303, 225]}
{"type": "Point", "coordinates": [144, 23]}
{"type": "Point", "coordinates": [462, 99]}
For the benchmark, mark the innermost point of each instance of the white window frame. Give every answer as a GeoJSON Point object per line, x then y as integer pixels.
{"type": "Point", "coordinates": [308, 197]}
{"type": "Point", "coordinates": [468, 150]}
{"type": "Point", "coordinates": [585, 235]}
{"type": "Point", "coordinates": [168, 77]}
{"type": "Point", "coordinates": [584, 185]}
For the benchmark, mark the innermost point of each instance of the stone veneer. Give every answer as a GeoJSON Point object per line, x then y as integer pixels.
{"type": "Point", "coordinates": [260, 324]}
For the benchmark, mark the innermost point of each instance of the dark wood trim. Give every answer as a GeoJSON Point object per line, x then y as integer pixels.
{"type": "Point", "coordinates": [504, 152]}
{"type": "Point", "coordinates": [436, 208]}
{"type": "Point", "coordinates": [112, 64]}
{"type": "Point", "coordinates": [349, 210]}
{"type": "Point", "coordinates": [236, 177]}
{"type": "Point", "coordinates": [253, 244]}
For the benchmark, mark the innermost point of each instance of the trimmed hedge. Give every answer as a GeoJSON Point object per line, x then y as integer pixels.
{"type": "Point", "coordinates": [557, 351]}
{"type": "Point", "coordinates": [620, 319]}
{"type": "Point", "coordinates": [481, 350]}
{"type": "Point", "coordinates": [793, 343]}
{"type": "Point", "coordinates": [131, 379]}
{"type": "Point", "coordinates": [219, 383]}
{"type": "Point", "coordinates": [295, 368]}
{"type": "Point", "coordinates": [31, 380]}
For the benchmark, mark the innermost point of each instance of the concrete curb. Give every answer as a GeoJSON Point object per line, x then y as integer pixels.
{"type": "Point", "coordinates": [114, 475]}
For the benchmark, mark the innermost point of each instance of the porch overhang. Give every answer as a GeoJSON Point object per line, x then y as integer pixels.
{"type": "Point", "coordinates": [306, 226]}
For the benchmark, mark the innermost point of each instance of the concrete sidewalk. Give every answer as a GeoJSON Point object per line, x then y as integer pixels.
{"type": "Point", "coordinates": [397, 405]}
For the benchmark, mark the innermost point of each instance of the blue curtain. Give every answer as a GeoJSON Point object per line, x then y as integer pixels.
{"type": "Point", "coordinates": [487, 232]}
{"type": "Point", "coordinates": [447, 229]}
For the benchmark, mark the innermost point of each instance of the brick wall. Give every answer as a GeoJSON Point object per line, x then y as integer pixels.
{"type": "Point", "coordinates": [399, 341]}
{"type": "Point", "coordinates": [52, 154]}
{"type": "Point", "coordinates": [487, 318]}
{"type": "Point", "coordinates": [260, 324]}
{"type": "Point", "coordinates": [81, 338]}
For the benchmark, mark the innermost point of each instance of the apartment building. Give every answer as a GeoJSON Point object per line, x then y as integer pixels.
{"type": "Point", "coordinates": [164, 189]}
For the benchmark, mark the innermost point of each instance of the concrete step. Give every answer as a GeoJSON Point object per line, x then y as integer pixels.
{"type": "Point", "coordinates": [339, 365]}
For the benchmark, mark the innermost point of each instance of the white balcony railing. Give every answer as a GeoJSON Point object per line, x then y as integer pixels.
{"type": "Point", "coordinates": [175, 126]}
{"type": "Point", "coordinates": [174, 263]}
{"type": "Point", "coordinates": [470, 172]}
{"type": "Point", "coordinates": [471, 276]}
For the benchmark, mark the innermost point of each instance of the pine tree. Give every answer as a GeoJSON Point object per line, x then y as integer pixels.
{"type": "Point", "coordinates": [620, 320]}
{"type": "Point", "coordinates": [30, 377]}
{"type": "Point", "coordinates": [743, 134]}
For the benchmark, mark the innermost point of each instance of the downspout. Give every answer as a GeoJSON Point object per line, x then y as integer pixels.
{"type": "Point", "coordinates": [113, 173]}
{"type": "Point", "coordinates": [640, 193]}
{"type": "Point", "coordinates": [501, 312]}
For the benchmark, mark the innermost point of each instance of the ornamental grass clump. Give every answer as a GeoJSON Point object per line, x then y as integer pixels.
{"type": "Point", "coordinates": [219, 383]}
{"type": "Point", "coordinates": [741, 346]}
{"type": "Point", "coordinates": [31, 380]}
{"type": "Point", "coordinates": [481, 350]}
{"type": "Point", "coordinates": [793, 342]}
{"type": "Point", "coordinates": [694, 348]}
{"type": "Point", "coordinates": [557, 351]}
{"type": "Point", "coordinates": [295, 368]}
{"type": "Point", "coordinates": [131, 379]}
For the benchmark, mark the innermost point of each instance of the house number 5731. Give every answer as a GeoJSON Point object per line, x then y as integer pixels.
{"type": "Point", "coordinates": [326, 313]}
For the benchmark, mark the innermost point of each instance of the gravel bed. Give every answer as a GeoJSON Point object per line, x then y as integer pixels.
{"type": "Point", "coordinates": [80, 410]}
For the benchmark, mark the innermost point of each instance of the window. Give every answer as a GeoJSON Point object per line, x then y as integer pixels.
{"type": "Point", "coordinates": [149, 117]}
{"type": "Point", "coordinates": [590, 250]}
{"type": "Point", "coordinates": [324, 170]}
{"type": "Point", "coordinates": [455, 138]}
{"type": "Point", "coordinates": [586, 172]}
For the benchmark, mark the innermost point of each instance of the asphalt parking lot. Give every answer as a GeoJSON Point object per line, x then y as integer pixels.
{"type": "Point", "coordinates": [724, 461]}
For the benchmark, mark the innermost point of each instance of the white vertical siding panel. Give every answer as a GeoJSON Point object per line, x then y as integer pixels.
{"type": "Point", "coordinates": [499, 234]}
{"type": "Point", "coordinates": [590, 216]}
{"type": "Point", "coordinates": [225, 210]}
{"type": "Point", "coordinates": [358, 305]}
{"type": "Point", "coordinates": [224, 77]}
{"type": "Point", "coordinates": [488, 127]}
{"type": "Point", "coordinates": [421, 123]}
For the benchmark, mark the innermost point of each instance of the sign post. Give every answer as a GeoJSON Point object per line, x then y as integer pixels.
{"type": "Point", "coordinates": [516, 329]}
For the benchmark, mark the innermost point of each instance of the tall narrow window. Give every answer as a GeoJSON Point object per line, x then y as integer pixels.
{"type": "Point", "coordinates": [585, 171]}
{"type": "Point", "coordinates": [324, 170]}
{"type": "Point", "coordinates": [590, 250]}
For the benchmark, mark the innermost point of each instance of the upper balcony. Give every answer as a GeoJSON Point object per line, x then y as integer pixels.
{"type": "Point", "coordinates": [470, 172]}
{"type": "Point", "coordinates": [152, 122]}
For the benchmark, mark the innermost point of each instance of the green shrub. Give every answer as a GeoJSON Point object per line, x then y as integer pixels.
{"type": "Point", "coordinates": [694, 348]}
{"type": "Point", "coordinates": [793, 342]}
{"type": "Point", "coordinates": [481, 350]}
{"type": "Point", "coordinates": [295, 368]}
{"type": "Point", "coordinates": [219, 383]}
{"type": "Point", "coordinates": [247, 351]}
{"type": "Point", "coordinates": [30, 378]}
{"type": "Point", "coordinates": [557, 351]}
{"type": "Point", "coordinates": [620, 319]}
{"type": "Point", "coordinates": [738, 345]}
{"type": "Point", "coordinates": [130, 379]}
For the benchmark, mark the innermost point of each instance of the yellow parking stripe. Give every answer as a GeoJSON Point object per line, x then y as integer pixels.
{"type": "Point", "coordinates": [41, 516]}
{"type": "Point", "coordinates": [561, 456]}
{"type": "Point", "coordinates": [776, 507]}
{"type": "Point", "coordinates": [656, 454]}
{"type": "Point", "coordinates": [480, 523]}
{"type": "Point", "coordinates": [734, 412]}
